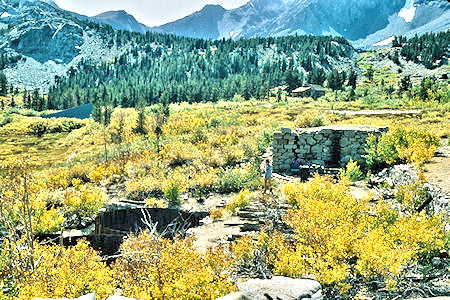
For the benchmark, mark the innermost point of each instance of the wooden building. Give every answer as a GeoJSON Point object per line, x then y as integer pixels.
{"type": "Point", "coordinates": [310, 90]}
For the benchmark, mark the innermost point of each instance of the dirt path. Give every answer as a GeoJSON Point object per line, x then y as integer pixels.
{"type": "Point", "coordinates": [438, 169]}
{"type": "Point", "coordinates": [381, 112]}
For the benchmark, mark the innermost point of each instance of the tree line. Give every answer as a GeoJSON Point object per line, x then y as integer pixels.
{"type": "Point", "coordinates": [428, 49]}
{"type": "Point", "coordinates": [166, 68]}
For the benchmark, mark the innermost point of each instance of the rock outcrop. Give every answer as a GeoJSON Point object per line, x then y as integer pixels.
{"type": "Point", "coordinates": [49, 42]}
{"type": "Point", "coordinates": [281, 288]}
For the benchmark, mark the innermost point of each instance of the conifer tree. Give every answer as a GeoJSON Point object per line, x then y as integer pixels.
{"type": "Point", "coordinates": [13, 102]}
{"type": "Point", "coordinates": [3, 84]}
{"type": "Point", "coordinates": [352, 78]}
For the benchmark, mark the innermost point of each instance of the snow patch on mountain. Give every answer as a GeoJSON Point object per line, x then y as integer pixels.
{"type": "Point", "coordinates": [385, 42]}
{"type": "Point", "coordinates": [408, 12]}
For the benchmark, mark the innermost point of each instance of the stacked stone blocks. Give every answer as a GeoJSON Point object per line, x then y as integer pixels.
{"type": "Point", "coordinates": [330, 147]}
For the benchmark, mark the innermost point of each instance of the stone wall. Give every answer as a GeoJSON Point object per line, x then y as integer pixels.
{"type": "Point", "coordinates": [331, 146]}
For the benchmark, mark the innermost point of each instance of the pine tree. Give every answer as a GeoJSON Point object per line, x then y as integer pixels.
{"type": "Point", "coordinates": [97, 112]}
{"type": "Point", "coordinates": [35, 102]}
{"type": "Point", "coordinates": [369, 73]}
{"type": "Point", "coordinates": [292, 79]}
{"type": "Point", "coordinates": [352, 78]}
{"type": "Point", "coordinates": [13, 102]}
{"type": "Point", "coordinates": [3, 84]}
{"type": "Point", "coordinates": [140, 128]}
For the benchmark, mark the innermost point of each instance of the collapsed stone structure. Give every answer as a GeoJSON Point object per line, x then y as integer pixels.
{"type": "Point", "coordinates": [330, 147]}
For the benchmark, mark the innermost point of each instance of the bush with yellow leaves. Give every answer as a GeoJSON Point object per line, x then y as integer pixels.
{"type": "Point", "coordinates": [411, 196]}
{"type": "Point", "coordinates": [352, 171]}
{"type": "Point", "coordinates": [123, 122]}
{"type": "Point", "coordinates": [203, 181]}
{"type": "Point", "coordinates": [84, 200]}
{"type": "Point", "coordinates": [182, 123]}
{"type": "Point", "coordinates": [410, 144]}
{"type": "Point", "coordinates": [66, 272]}
{"type": "Point", "coordinates": [239, 201]}
{"type": "Point", "coordinates": [25, 201]}
{"type": "Point", "coordinates": [333, 229]}
{"type": "Point", "coordinates": [337, 235]}
{"type": "Point", "coordinates": [151, 267]}
{"type": "Point", "coordinates": [309, 119]}
{"type": "Point", "coordinates": [178, 153]}
{"type": "Point", "coordinates": [172, 189]}
{"type": "Point", "coordinates": [155, 203]}
{"type": "Point", "coordinates": [216, 213]}
{"type": "Point", "coordinates": [144, 187]}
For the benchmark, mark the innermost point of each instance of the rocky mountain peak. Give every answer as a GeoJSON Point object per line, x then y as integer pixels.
{"type": "Point", "coordinates": [356, 20]}
{"type": "Point", "coordinates": [213, 8]}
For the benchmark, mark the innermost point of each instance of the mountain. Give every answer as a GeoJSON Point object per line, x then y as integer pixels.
{"type": "Point", "coordinates": [120, 20]}
{"type": "Point", "coordinates": [49, 42]}
{"type": "Point", "coordinates": [365, 22]}
{"type": "Point", "coordinates": [205, 23]}
{"type": "Point", "coordinates": [426, 16]}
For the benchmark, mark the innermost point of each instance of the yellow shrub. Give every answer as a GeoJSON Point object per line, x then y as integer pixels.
{"type": "Point", "coordinates": [418, 153]}
{"type": "Point", "coordinates": [327, 220]}
{"type": "Point", "coordinates": [85, 201]}
{"type": "Point", "coordinates": [212, 158]}
{"type": "Point", "coordinates": [154, 203]}
{"type": "Point", "coordinates": [233, 155]}
{"type": "Point", "coordinates": [179, 153]}
{"type": "Point", "coordinates": [97, 174]}
{"type": "Point", "coordinates": [67, 272]}
{"type": "Point", "coordinates": [205, 179]}
{"type": "Point", "coordinates": [380, 254]}
{"type": "Point", "coordinates": [216, 213]}
{"type": "Point", "coordinates": [156, 268]}
{"type": "Point", "coordinates": [335, 233]}
{"type": "Point", "coordinates": [142, 188]}
{"type": "Point", "coordinates": [239, 201]}
{"type": "Point", "coordinates": [182, 123]}
{"type": "Point", "coordinates": [59, 179]}
{"type": "Point", "coordinates": [410, 144]}
{"type": "Point", "coordinates": [352, 171]}
{"type": "Point", "coordinates": [309, 119]}
{"type": "Point", "coordinates": [123, 121]}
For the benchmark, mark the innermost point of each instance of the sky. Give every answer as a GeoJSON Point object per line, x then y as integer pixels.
{"type": "Point", "coordinates": [148, 12]}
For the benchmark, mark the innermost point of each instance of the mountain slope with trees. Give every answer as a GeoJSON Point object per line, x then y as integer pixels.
{"type": "Point", "coordinates": [174, 69]}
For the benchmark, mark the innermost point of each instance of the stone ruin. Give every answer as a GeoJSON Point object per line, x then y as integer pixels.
{"type": "Point", "coordinates": [328, 147]}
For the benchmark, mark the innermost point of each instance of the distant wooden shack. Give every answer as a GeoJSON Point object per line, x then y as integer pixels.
{"type": "Point", "coordinates": [310, 90]}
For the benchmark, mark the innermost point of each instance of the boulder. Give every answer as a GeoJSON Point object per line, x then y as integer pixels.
{"type": "Point", "coordinates": [435, 298]}
{"type": "Point", "coordinates": [282, 288]}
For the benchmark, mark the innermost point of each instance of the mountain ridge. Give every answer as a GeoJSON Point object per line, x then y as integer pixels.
{"type": "Point", "coordinates": [377, 21]}
{"type": "Point", "coordinates": [120, 19]}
